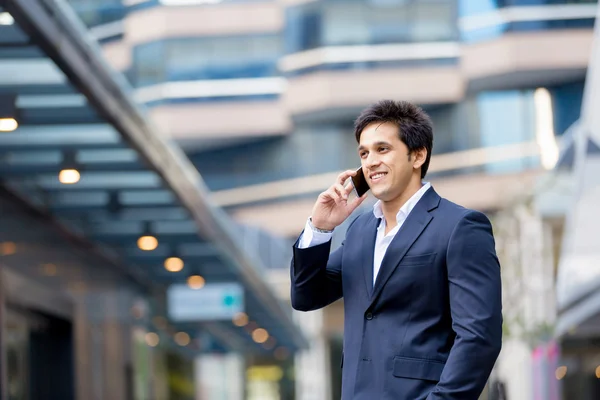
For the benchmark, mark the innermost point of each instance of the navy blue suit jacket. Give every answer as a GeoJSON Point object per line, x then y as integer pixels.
{"type": "Point", "coordinates": [431, 327]}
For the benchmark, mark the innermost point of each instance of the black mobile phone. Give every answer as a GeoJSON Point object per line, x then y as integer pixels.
{"type": "Point", "coordinates": [360, 183]}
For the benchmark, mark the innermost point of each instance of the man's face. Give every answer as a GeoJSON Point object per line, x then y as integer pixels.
{"type": "Point", "coordinates": [385, 160]}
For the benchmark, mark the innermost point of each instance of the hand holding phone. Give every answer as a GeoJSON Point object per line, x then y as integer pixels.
{"type": "Point", "coordinates": [333, 205]}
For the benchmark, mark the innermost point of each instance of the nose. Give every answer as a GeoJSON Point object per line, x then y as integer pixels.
{"type": "Point", "coordinates": [372, 161]}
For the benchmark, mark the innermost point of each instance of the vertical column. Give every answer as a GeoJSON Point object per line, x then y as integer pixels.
{"type": "Point", "coordinates": [114, 366]}
{"type": "Point", "coordinates": [3, 376]}
{"type": "Point", "coordinates": [313, 376]}
{"type": "Point", "coordinates": [219, 377]}
{"type": "Point", "coordinates": [81, 342]}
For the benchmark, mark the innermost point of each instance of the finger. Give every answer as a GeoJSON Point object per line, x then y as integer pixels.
{"type": "Point", "coordinates": [348, 189]}
{"type": "Point", "coordinates": [345, 175]}
{"type": "Point", "coordinates": [332, 195]}
{"type": "Point", "coordinates": [341, 190]}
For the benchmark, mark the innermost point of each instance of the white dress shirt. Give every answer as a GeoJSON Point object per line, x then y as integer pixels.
{"type": "Point", "coordinates": [311, 238]}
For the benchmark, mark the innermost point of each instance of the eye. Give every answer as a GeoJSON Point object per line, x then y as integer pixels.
{"type": "Point", "coordinates": [362, 154]}
{"type": "Point", "coordinates": [383, 148]}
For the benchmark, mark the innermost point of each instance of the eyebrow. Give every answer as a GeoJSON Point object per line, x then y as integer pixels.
{"type": "Point", "coordinates": [380, 143]}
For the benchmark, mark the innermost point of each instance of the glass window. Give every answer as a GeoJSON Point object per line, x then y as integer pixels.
{"type": "Point", "coordinates": [98, 12]}
{"type": "Point", "coordinates": [222, 57]}
{"type": "Point", "coordinates": [344, 24]}
{"type": "Point", "coordinates": [148, 65]}
{"type": "Point", "coordinates": [434, 21]}
{"type": "Point", "coordinates": [473, 7]}
{"type": "Point", "coordinates": [506, 117]}
{"type": "Point", "coordinates": [473, 13]}
{"type": "Point", "coordinates": [566, 104]}
{"type": "Point", "coordinates": [206, 58]}
{"type": "Point", "coordinates": [358, 22]}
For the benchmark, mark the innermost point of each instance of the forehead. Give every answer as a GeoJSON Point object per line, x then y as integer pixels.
{"type": "Point", "coordinates": [379, 132]}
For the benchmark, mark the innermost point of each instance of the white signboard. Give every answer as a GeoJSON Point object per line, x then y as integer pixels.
{"type": "Point", "coordinates": [214, 301]}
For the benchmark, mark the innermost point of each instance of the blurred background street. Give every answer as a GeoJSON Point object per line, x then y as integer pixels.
{"type": "Point", "coordinates": [159, 158]}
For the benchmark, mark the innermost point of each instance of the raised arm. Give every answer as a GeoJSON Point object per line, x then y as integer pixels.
{"type": "Point", "coordinates": [315, 274]}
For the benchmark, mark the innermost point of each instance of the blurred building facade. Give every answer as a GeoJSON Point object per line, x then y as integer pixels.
{"type": "Point", "coordinates": [261, 95]}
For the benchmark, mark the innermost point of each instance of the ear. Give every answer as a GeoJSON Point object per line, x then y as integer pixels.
{"type": "Point", "coordinates": [420, 156]}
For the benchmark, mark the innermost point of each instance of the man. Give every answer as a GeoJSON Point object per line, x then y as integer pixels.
{"type": "Point", "coordinates": [419, 274]}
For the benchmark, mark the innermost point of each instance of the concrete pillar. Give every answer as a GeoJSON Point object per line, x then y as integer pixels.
{"type": "Point", "coordinates": [313, 375]}
{"type": "Point", "coordinates": [219, 377]}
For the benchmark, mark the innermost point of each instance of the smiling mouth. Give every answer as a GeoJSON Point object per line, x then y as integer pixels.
{"type": "Point", "coordinates": [377, 176]}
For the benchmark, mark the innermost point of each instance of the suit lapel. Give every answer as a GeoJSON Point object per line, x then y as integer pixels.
{"type": "Point", "coordinates": [369, 254]}
{"type": "Point", "coordinates": [415, 224]}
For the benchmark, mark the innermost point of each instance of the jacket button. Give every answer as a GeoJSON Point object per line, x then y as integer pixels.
{"type": "Point", "coordinates": [369, 316]}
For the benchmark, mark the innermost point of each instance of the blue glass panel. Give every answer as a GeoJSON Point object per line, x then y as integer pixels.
{"type": "Point", "coordinates": [506, 117]}
{"type": "Point", "coordinates": [482, 12]}
{"type": "Point", "coordinates": [371, 65]}
{"type": "Point", "coordinates": [359, 22]}
{"type": "Point", "coordinates": [566, 103]}
{"type": "Point", "coordinates": [212, 100]}
{"type": "Point", "coordinates": [474, 7]}
{"type": "Point", "coordinates": [98, 12]}
{"type": "Point", "coordinates": [148, 63]}
{"type": "Point", "coordinates": [207, 58]}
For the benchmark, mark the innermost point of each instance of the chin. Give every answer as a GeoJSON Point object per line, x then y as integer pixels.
{"type": "Point", "coordinates": [380, 194]}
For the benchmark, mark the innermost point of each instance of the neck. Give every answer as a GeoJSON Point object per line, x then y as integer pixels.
{"type": "Point", "coordinates": [390, 208]}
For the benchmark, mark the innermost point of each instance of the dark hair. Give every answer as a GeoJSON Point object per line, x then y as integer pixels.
{"type": "Point", "coordinates": [415, 128]}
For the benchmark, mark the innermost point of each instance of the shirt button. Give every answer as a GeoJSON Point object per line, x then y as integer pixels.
{"type": "Point", "coordinates": [369, 316]}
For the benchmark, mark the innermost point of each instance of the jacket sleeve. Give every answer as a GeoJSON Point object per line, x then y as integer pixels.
{"type": "Point", "coordinates": [475, 295]}
{"type": "Point", "coordinates": [316, 275]}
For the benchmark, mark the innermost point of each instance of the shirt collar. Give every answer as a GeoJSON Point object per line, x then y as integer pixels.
{"type": "Point", "coordinates": [406, 208]}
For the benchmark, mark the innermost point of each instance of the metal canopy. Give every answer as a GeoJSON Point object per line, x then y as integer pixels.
{"type": "Point", "coordinates": [74, 110]}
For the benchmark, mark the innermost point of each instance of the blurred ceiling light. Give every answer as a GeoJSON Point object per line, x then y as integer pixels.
{"type": "Point", "coordinates": [196, 282]}
{"type": "Point", "coordinates": [260, 335]}
{"type": "Point", "coordinates": [598, 372]}
{"type": "Point", "coordinates": [240, 319]}
{"type": "Point", "coordinates": [69, 176]}
{"type": "Point", "coordinates": [544, 128]}
{"type": "Point", "coordinates": [152, 339]}
{"type": "Point", "coordinates": [8, 108]}
{"type": "Point", "coordinates": [147, 243]}
{"type": "Point", "coordinates": [8, 124]}
{"type": "Point", "coordinates": [174, 264]}
{"type": "Point", "coordinates": [8, 248]}
{"type": "Point", "coordinates": [182, 338]}
{"type": "Point", "coordinates": [6, 18]}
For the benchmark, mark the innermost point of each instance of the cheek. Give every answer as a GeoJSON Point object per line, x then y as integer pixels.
{"type": "Point", "coordinates": [403, 172]}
